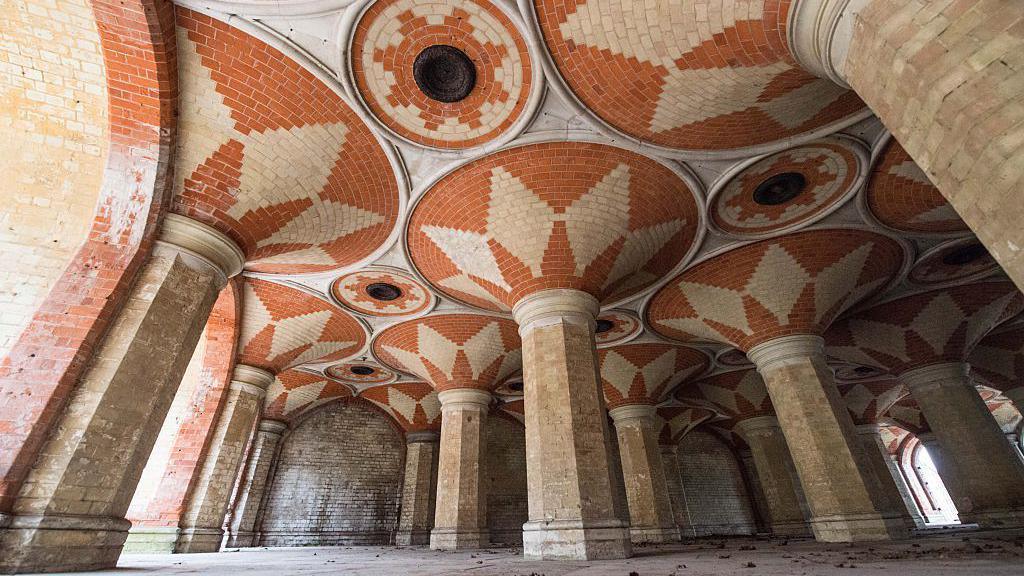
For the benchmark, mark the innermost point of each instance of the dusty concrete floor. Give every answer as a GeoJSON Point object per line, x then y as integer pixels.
{"type": "Point", "coordinates": [965, 554]}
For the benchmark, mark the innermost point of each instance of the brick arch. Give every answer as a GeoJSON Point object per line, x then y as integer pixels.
{"type": "Point", "coordinates": [41, 368]}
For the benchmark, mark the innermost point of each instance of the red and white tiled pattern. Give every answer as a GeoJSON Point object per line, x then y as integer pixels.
{"type": "Point", "coordinates": [283, 327]}
{"type": "Point", "coordinates": [796, 284]}
{"type": "Point", "coordinates": [294, 393]}
{"type": "Point", "coordinates": [691, 75]}
{"type": "Point", "coordinates": [414, 405]}
{"type": "Point", "coordinates": [453, 350]}
{"type": "Point", "coordinates": [999, 359]}
{"type": "Point", "coordinates": [389, 36]}
{"type": "Point", "coordinates": [933, 269]}
{"type": "Point", "coordinates": [907, 414]}
{"type": "Point", "coordinates": [344, 373]}
{"type": "Point", "coordinates": [555, 215]}
{"type": "Point", "coordinates": [644, 373]}
{"type": "Point", "coordinates": [274, 158]}
{"type": "Point", "coordinates": [869, 400]}
{"type": "Point", "coordinates": [829, 167]}
{"type": "Point", "coordinates": [678, 420]}
{"type": "Point", "coordinates": [738, 394]}
{"type": "Point", "coordinates": [351, 290]}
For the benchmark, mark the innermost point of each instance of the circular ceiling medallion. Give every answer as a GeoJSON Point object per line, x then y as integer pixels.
{"type": "Point", "coordinates": [708, 75]}
{"type": "Point", "coordinates": [449, 75]}
{"type": "Point", "coordinates": [787, 189]}
{"type": "Point", "coordinates": [733, 357]}
{"type": "Point", "coordinates": [615, 327]}
{"type": "Point", "coordinates": [575, 215]}
{"type": "Point", "coordinates": [378, 292]}
{"type": "Point", "coordinates": [900, 196]}
{"type": "Point", "coordinates": [954, 261]}
{"type": "Point", "coordinates": [361, 373]}
{"type": "Point", "coordinates": [854, 372]}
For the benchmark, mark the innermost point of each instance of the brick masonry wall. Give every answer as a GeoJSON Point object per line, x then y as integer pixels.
{"type": "Point", "coordinates": [338, 480]}
{"type": "Point", "coordinates": [715, 493]}
{"type": "Point", "coordinates": [53, 145]}
{"type": "Point", "coordinates": [506, 471]}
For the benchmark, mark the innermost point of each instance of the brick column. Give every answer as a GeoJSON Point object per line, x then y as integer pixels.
{"type": "Point", "coordinates": [254, 483]}
{"type": "Point", "coordinates": [201, 528]}
{"type": "Point", "coordinates": [572, 501]}
{"type": "Point", "coordinates": [419, 490]}
{"type": "Point", "coordinates": [978, 467]}
{"type": "Point", "coordinates": [949, 91]}
{"type": "Point", "coordinates": [890, 499]}
{"type": "Point", "coordinates": [775, 471]}
{"type": "Point", "coordinates": [820, 434]}
{"type": "Point", "coordinates": [460, 515]}
{"type": "Point", "coordinates": [676, 492]}
{"type": "Point", "coordinates": [69, 513]}
{"type": "Point", "coordinates": [650, 507]}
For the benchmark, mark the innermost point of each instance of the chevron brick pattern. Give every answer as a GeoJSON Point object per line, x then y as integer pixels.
{"type": "Point", "coordinates": [453, 350]}
{"type": "Point", "coordinates": [926, 328]}
{"type": "Point", "coordinates": [283, 327]}
{"type": "Point", "coordinates": [739, 394]}
{"type": "Point", "coordinates": [295, 393]}
{"type": "Point", "coordinates": [645, 373]}
{"type": "Point", "coordinates": [699, 75]}
{"type": "Point", "coordinates": [274, 158]}
{"type": "Point", "coordinates": [555, 215]}
{"type": "Point", "coordinates": [907, 415]}
{"type": "Point", "coordinates": [389, 36]}
{"type": "Point", "coordinates": [414, 405]}
{"type": "Point", "coordinates": [999, 359]}
{"type": "Point", "coordinates": [796, 284]}
{"type": "Point", "coordinates": [868, 401]}
{"type": "Point", "coordinates": [678, 420]}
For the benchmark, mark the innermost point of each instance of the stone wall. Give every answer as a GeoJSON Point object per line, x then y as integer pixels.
{"type": "Point", "coordinates": [338, 480]}
{"type": "Point", "coordinates": [506, 470]}
{"type": "Point", "coordinates": [716, 496]}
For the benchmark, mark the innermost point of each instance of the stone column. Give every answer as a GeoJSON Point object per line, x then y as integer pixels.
{"type": "Point", "coordinates": [572, 499]}
{"type": "Point", "coordinates": [774, 467]}
{"type": "Point", "coordinates": [69, 513]}
{"type": "Point", "coordinates": [254, 482]}
{"type": "Point", "coordinates": [201, 528]}
{"type": "Point", "coordinates": [419, 489]}
{"type": "Point", "coordinates": [1014, 440]}
{"type": "Point", "coordinates": [949, 91]}
{"type": "Point", "coordinates": [650, 507]}
{"type": "Point", "coordinates": [460, 515]}
{"type": "Point", "coordinates": [676, 493]}
{"type": "Point", "coordinates": [979, 468]}
{"type": "Point", "coordinates": [892, 501]}
{"type": "Point", "coordinates": [823, 443]}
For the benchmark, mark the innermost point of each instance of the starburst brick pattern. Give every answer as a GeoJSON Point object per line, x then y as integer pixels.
{"type": "Point", "coordinates": [295, 393]}
{"type": "Point", "coordinates": [623, 326]}
{"type": "Point", "coordinates": [953, 262]}
{"type": "Point", "coordinates": [907, 414]}
{"type": "Point", "coordinates": [283, 327]}
{"type": "Point", "coordinates": [515, 409]}
{"type": "Point", "coordinates": [739, 394]}
{"type": "Point", "coordinates": [274, 158]}
{"type": "Point", "coordinates": [645, 373]}
{"type": "Point", "coordinates": [392, 33]}
{"type": "Point", "coordinates": [414, 405]}
{"type": "Point", "coordinates": [678, 420]}
{"type": "Point", "coordinates": [901, 196]}
{"type": "Point", "coordinates": [868, 401]}
{"type": "Point", "coordinates": [699, 75]}
{"type": "Point", "coordinates": [360, 373]}
{"type": "Point", "coordinates": [555, 215]}
{"type": "Point", "coordinates": [829, 168]}
{"type": "Point", "coordinates": [355, 292]}
{"type": "Point", "coordinates": [796, 284]}
{"type": "Point", "coordinates": [926, 328]}
{"type": "Point", "coordinates": [453, 350]}
{"type": "Point", "coordinates": [999, 359]}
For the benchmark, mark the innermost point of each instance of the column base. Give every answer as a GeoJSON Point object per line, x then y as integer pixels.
{"type": "Point", "coordinates": [151, 540]}
{"type": "Point", "coordinates": [852, 528]}
{"type": "Point", "coordinates": [573, 540]}
{"type": "Point", "coordinates": [199, 540]}
{"type": "Point", "coordinates": [1012, 518]}
{"type": "Point", "coordinates": [412, 537]}
{"type": "Point", "coordinates": [61, 543]}
{"type": "Point", "coordinates": [653, 534]}
{"type": "Point", "coordinates": [448, 539]}
{"type": "Point", "coordinates": [241, 540]}
{"type": "Point", "coordinates": [791, 530]}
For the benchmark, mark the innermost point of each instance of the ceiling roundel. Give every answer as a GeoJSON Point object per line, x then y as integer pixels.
{"type": "Point", "coordinates": [361, 373]}
{"type": "Point", "coordinates": [616, 327]}
{"type": "Point", "coordinates": [951, 262]}
{"type": "Point", "coordinates": [448, 74]}
{"type": "Point", "coordinates": [274, 158]}
{"type": "Point", "coordinates": [900, 196]}
{"type": "Point", "coordinates": [382, 292]}
{"type": "Point", "coordinates": [574, 215]}
{"type": "Point", "coordinates": [714, 75]}
{"type": "Point", "coordinates": [787, 189]}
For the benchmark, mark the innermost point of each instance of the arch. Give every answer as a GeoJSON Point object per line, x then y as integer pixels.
{"type": "Point", "coordinates": [716, 493]}
{"type": "Point", "coordinates": [926, 486]}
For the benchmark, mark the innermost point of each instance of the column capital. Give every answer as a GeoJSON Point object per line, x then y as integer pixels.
{"type": "Point", "coordinates": [422, 437]}
{"type": "Point", "coordinates": [201, 241]}
{"type": "Point", "coordinates": [819, 35]}
{"type": "Point", "coordinates": [871, 429]}
{"type": "Point", "coordinates": [554, 306]}
{"type": "Point", "coordinates": [464, 398]}
{"type": "Point", "coordinates": [757, 424]}
{"type": "Point", "coordinates": [933, 376]}
{"type": "Point", "coordinates": [251, 379]}
{"type": "Point", "coordinates": [778, 351]}
{"type": "Point", "coordinates": [623, 414]}
{"type": "Point", "coordinates": [272, 426]}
